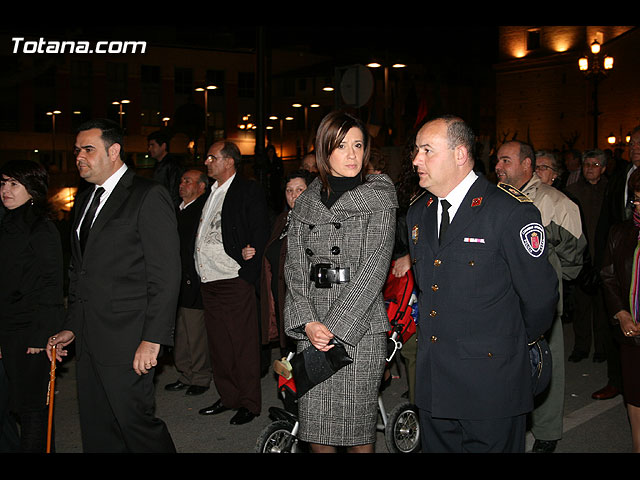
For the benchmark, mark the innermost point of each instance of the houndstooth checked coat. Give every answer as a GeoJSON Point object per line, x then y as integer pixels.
{"type": "Point", "coordinates": [357, 232]}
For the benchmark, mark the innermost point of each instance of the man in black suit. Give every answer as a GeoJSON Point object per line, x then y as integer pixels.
{"type": "Point", "coordinates": [124, 279]}
{"type": "Point", "coordinates": [234, 216]}
{"type": "Point", "coordinates": [190, 352]}
{"type": "Point", "coordinates": [486, 289]}
{"type": "Point", "coordinates": [168, 170]}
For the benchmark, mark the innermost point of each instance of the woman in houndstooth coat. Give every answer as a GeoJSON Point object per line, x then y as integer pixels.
{"type": "Point", "coordinates": [346, 219]}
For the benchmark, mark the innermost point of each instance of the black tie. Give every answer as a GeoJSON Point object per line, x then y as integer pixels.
{"type": "Point", "coordinates": [444, 221]}
{"type": "Point", "coordinates": [88, 218]}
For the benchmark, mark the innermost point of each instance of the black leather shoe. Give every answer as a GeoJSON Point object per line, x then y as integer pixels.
{"type": "Point", "coordinates": [242, 416]}
{"type": "Point", "coordinates": [196, 390]}
{"type": "Point", "coordinates": [544, 446]}
{"type": "Point", "coordinates": [174, 387]}
{"type": "Point", "coordinates": [599, 357]}
{"type": "Point", "coordinates": [214, 409]}
{"type": "Point", "coordinates": [576, 356]}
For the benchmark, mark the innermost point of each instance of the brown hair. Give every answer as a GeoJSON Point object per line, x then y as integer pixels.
{"type": "Point", "coordinates": [331, 132]}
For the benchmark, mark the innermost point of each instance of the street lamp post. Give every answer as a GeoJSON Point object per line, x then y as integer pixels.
{"type": "Point", "coordinates": [387, 102]}
{"type": "Point", "coordinates": [596, 70]}
{"type": "Point", "coordinates": [206, 110]}
{"type": "Point", "coordinates": [53, 114]}
{"type": "Point", "coordinates": [120, 108]}
{"type": "Point", "coordinates": [305, 108]}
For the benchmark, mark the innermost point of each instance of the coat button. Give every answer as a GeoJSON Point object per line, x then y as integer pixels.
{"type": "Point", "coordinates": [437, 262]}
{"type": "Point", "coordinates": [309, 252]}
{"type": "Point", "coordinates": [435, 288]}
{"type": "Point", "coordinates": [434, 339]}
{"type": "Point", "coordinates": [335, 250]}
{"type": "Point", "coordinates": [490, 354]}
{"type": "Point", "coordinates": [433, 313]}
{"type": "Point", "coordinates": [337, 225]}
{"type": "Point", "coordinates": [471, 263]}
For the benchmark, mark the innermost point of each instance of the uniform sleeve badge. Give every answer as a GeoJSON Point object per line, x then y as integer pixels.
{"type": "Point", "coordinates": [533, 239]}
{"type": "Point", "coordinates": [414, 234]}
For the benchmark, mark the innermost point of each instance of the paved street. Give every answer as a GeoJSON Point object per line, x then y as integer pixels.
{"type": "Point", "coordinates": [590, 426]}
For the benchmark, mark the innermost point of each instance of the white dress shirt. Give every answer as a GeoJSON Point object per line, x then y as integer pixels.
{"type": "Point", "coordinates": [212, 262]}
{"type": "Point", "coordinates": [456, 196]}
{"type": "Point", "coordinates": [109, 184]}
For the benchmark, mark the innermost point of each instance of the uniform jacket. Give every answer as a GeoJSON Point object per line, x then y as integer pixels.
{"type": "Point", "coordinates": [31, 283]}
{"type": "Point", "coordinates": [124, 288]}
{"type": "Point", "coordinates": [357, 232]}
{"type": "Point", "coordinates": [245, 221]}
{"type": "Point", "coordinates": [483, 294]}
{"type": "Point", "coordinates": [563, 226]}
{"type": "Point", "coordinates": [188, 222]}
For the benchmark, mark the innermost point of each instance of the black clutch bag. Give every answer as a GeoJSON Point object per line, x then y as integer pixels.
{"type": "Point", "coordinates": [540, 357]}
{"type": "Point", "coordinates": [311, 366]}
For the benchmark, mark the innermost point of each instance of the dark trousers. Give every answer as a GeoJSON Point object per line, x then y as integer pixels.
{"type": "Point", "coordinates": [117, 410]}
{"type": "Point", "coordinates": [446, 435]}
{"type": "Point", "coordinates": [231, 318]}
{"type": "Point", "coordinates": [26, 389]}
{"type": "Point", "coordinates": [191, 350]}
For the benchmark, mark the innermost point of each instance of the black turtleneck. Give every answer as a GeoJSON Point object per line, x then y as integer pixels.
{"type": "Point", "coordinates": [338, 186]}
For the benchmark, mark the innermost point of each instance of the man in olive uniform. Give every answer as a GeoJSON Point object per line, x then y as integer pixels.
{"type": "Point", "coordinates": [486, 289]}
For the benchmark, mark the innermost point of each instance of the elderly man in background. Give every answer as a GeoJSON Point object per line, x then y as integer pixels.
{"type": "Point", "coordinates": [561, 220]}
{"type": "Point", "coordinates": [190, 353]}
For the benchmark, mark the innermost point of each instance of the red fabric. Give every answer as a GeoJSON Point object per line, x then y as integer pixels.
{"type": "Point", "coordinates": [397, 293]}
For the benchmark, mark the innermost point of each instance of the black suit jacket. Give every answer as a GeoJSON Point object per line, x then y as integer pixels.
{"type": "Point", "coordinates": [483, 294]}
{"type": "Point", "coordinates": [188, 222]}
{"type": "Point", "coordinates": [245, 221]}
{"type": "Point", "coordinates": [124, 289]}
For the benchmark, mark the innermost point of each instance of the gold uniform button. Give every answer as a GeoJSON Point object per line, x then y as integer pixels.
{"type": "Point", "coordinates": [471, 263]}
{"type": "Point", "coordinates": [433, 313]}
{"type": "Point", "coordinates": [435, 288]}
{"type": "Point", "coordinates": [434, 339]}
{"type": "Point", "coordinates": [490, 354]}
{"type": "Point", "coordinates": [437, 262]}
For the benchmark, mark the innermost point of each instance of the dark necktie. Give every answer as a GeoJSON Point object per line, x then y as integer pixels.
{"type": "Point", "coordinates": [444, 221]}
{"type": "Point", "coordinates": [88, 218]}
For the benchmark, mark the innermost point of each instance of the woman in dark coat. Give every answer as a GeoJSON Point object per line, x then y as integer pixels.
{"type": "Point", "coordinates": [621, 278]}
{"type": "Point", "coordinates": [345, 219]}
{"type": "Point", "coordinates": [272, 285]}
{"type": "Point", "coordinates": [31, 295]}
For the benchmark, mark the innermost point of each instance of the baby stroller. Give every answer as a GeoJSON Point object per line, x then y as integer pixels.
{"type": "Point", "coordinates": [401, 426]}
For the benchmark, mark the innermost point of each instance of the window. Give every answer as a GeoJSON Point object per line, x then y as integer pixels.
{"type": "Point", "coordinates": [246, 85]}
{"type": "Point", "coordinates": [533, 39]}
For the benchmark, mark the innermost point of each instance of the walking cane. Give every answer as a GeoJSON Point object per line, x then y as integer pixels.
{"type": "Point", "coordinates": [50, 395]}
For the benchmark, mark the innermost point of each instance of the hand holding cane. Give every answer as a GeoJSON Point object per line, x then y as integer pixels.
{"type": "Point", "coordinates": [50, 395]}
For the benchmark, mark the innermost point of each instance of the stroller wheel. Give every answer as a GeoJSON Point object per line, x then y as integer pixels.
{"type": "Point", "coordinates": [402, 433]}
{"type": "Point", "coordinates": [277, 438]}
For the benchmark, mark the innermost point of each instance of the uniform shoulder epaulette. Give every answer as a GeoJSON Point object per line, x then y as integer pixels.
{"type": "Point", "coordinates": [514, 192]}
{"type": "Point", "coordinates": [417, 197]}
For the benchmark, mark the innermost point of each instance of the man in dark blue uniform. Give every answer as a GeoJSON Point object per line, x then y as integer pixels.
{"type": "Point", "coordinates": [486, 290]}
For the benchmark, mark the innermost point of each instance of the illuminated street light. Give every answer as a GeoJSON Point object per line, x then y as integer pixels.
{"type": "Point", "coordinates": [206, 108]}
{"type": "Point", "coordinates": [121, 110]}
{"type": "Point", "coordinates": [595, 69]}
